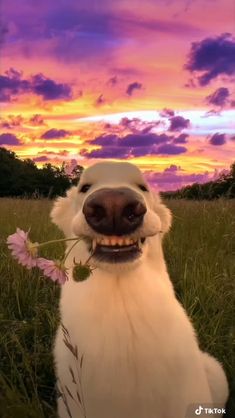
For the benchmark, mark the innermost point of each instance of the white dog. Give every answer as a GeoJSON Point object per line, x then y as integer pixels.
{"type": "Point", "coordinates": [125, 347]}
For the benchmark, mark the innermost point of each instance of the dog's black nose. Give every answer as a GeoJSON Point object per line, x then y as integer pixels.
{"type": "Point", "coordinates": [114, 211]}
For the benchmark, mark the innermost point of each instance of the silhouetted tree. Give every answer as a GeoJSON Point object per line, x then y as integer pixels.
{"type": "Point", "coordinates": [24, 178]}
{"type": "Point", "coordinates": [224, 186]}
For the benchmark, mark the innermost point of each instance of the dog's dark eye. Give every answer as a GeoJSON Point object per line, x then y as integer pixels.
{"type": "Point", "coordinates": [85, 188]}
{"type": "Point", "coordinates": [142, 187]}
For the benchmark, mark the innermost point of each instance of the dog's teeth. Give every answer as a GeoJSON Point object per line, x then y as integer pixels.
{"type": "Point", "coordinates": [120, 241]}
{"type": "Point", "coordinates": [113, 240]}
{"type": "Point", "coordinates": [104, 241]}
{"type": "Point", "coordinates": [141, 242]}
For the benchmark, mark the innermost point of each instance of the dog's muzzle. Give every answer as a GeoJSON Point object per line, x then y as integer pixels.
{"type": "Point", "coordinates": [115, 214]}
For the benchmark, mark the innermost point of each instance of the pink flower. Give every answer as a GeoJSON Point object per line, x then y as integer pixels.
{"type": "Point", "coordinates": [55, 270]}
{"type": "Point", "coordinates": [26, 254]}
{"type": "Point", "coordinates": [23, 249]}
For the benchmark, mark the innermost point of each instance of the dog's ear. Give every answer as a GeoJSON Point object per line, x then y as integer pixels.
{"type": "Point", "coordinates": [163, 212]}
{"type": "Point", "coordinates": [64, 210]}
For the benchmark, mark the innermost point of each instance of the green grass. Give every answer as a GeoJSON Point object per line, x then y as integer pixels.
{"type": "Point", "coordinates": [200, 253]}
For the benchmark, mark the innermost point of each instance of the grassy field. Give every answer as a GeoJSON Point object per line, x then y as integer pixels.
{"type": "Point", "coordinates": [200, 253]}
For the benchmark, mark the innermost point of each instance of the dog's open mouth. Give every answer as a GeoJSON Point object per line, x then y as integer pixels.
{"type": "Point", "coordinates": [117, 249]}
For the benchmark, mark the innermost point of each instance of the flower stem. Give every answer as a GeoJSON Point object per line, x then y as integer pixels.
{"type": "Point", "coordinates": [87, 261]}
{"type": "Point", "coordinates": [56, 240]}
{"type": "Point", "coordinates": [70, 249]}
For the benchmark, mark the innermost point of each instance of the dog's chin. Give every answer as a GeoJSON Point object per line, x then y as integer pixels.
{"type": "Point", "coordinates": [116, 268]}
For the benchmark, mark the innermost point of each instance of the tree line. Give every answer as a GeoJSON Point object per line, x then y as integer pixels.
{"type": "Point", "coordinates": [22, 178]}
{"type": "Point", "coordinates": [224, 187]}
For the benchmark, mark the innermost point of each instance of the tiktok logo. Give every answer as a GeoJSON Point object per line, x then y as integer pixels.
{"type": "Point", "coordinates": [199, 410]}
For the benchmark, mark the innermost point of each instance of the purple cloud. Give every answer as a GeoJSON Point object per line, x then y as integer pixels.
{"type": "Point", "coordinates": [36, 120]}
{"type": "Point", "coordinates": [106, 140]}
{"type": "Point", "coordinates": [167, 113]}
{"type": "Point", "coordinates": [190, 84]}
{"type": "Point", "coordinates": [218, 139]}
{"type": "Point", "coordinates": [212, 112]}
{"type": "Point", "coordinates": [49, 89]}
{"type": "Point", "coordinates": [132, 140]}
{"type": "Point", "coordinates": [132, 87]}
{"type": "Point", "coordinates": [5, 124]}
{"type": "Point", "coordinates": [173, 178]}
{"type": "Point", "coordinates": [134, 145]}
{"type": "Point", "coordinates": [144, 151]}
{"type": "Point", "coordinates": [130, 152]}
{"type": "Point", "coordinates": [41, 159]}
{"type": "Point", "coordinates": [177, 123]}
{"type": "Point", "coordinates": [108, 152]}
{"type": "Point", "coordinates": [212, 57]}
{"type": "Point", "coordinates": [9, 139]}
{"type": "Point", "coordinates": [55, 134]}
{"type": "Point", "coordinates": [112, 81]}
{"type": "Point", "coordinates": [136, 125]}
{"type": "Point", "coordinates": [15, 121]}
{"type": "Point", "coordinates": [12, 121]}
{"type": "Point", "coordinates": [148, 139]}
{"type": "Point", "coordinates": [127, 152]}
{"type": "Point", "coordinates": [12, 84]}
{"type": "Point", "coordinates": [172, 169]}
{"type": "Point", "coordinates": [100, 100]}
{"type": "Point", "coordinates": [167, 149]}
{"type": "Point", "coordinates": [171, 149]}
{"type": "Point", "coordinates": [126, 122]}
{"type": "Point", "coordinates": [219, 97]}
{"type": "Point", "coordinates": [181, 139]}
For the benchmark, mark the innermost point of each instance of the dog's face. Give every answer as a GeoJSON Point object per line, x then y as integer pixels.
{"type": "Point", "coordinates": [115, 212]}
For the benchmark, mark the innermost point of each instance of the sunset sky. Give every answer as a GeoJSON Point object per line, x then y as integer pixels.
{"type": "Point", "coordinates": [151, 82]}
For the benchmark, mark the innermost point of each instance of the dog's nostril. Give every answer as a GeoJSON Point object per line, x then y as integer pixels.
{"type": "Point", "coordinates": [131, 217]}
{"type": "Point", "coordinates": [95, 212]}
{"type": "Point", "coordinates": [140, 209]}
{"type": "Point", "coordinates": [134, 211]}
{"type": "Point", "coordinates": [99, 212]}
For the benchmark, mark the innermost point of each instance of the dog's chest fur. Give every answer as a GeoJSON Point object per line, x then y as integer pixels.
{"type": "Point", "coordinates": [128, 331]}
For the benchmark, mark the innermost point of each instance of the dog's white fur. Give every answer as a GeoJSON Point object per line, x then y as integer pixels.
{"type": "Point", "coordinates": [141, 357]}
